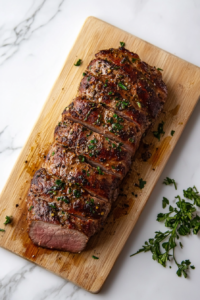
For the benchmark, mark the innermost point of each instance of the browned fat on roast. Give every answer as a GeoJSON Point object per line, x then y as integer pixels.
{"type": "Point", "coordinates": [65, 164]}
{"type": "Point", "coordinates": [55, 236]}
{"type": "Point", "coordinates": [105, 122]}
{"type": "Point", "coordinates": [94, 148]}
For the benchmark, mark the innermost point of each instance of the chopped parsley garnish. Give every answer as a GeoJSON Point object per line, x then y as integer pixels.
{"type": "Point", "coordinates": [172, 132]}
{"type": "Point", "coordinates": [69, 190]}
{"type": "Point", "coordinates": [3, 230]}
{"type": "Point", "coordinates": [131, 140]}
{"type": "Point", "coordinates": [180, 220]}
{"type": "Point", "coordinates": [52, 205]}
{"type": "Point", "coordinates": [122, 44]}
{"type": "Point", "coordinates": [81, 158]}
{"type": "Point", "coordinates": [31, 207]}
{"type": "Point", "coordinates": [159, 69]}
{"type": "Point", "coordinates": [105, 85]}
{"type": "Point", "coordinates": [8, 220]}
{"type": "Point", "coordinates": [165, 202]}
{"type": "Point", "coordinates": [95, 257]}
{"type": "Point", "coordinates": [77, 193]}
{"type": "Point", "coordinates": [87, 115]}
{"type": "Point", "coordinates": [84, 74]}
{"type": "Point", "coordinates": [53, 153]}
{"type": "Point", "coordinates": [64, 199]}
{"type": "Point", "coordinates": [88, 79]}
{"type": "Point", "coordinates": [60, 183]}
{"type": "Point", "coordinates": [110, 93]}
{"type": "Point", "coordinates": [160, 131]}
{"type": "Point", "coordinates": [141, 183]}
{"type": "Point", "coordinates": [139, 104]}
{"type": "Point", "coordinates": [168, 181]}
{"type": "Point", "coordinates": [192, 194]}
{"type": "Point", "coordinates": [99, 170]}
{"type": "Point", "coordinates": [134, 59]}
{"type": "Point", "coordinates": [107, 139]}
{"type": "Point", "coordinates": [113, 145]}
{"type": "Point", "coordinates": [122, 86]}
{"type": "Point", "coordinates": [122, 104]}
{"type": "Point", "coordinates": [78, 63]}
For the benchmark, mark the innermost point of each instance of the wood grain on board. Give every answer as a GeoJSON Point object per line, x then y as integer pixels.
{"type": "Point", "coordinates": [183, 81]}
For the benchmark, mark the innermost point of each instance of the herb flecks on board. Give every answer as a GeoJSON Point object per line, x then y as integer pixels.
{"type": "Point", "coordinates": [172, 132]}
{"type": "Point", "coordinates": [160, 131]}
{"type": "Point", "coordinates": [8, 220]}
{"type": "Point", "coordinates": [180, 220]}
{"type": "Point", "coordinates": [95, 257]}
{"type": "Point", "coordinates": [122, 44]}
{"type": "Point", "coordinates": [141, 183]}
{"type": "Point", "coordinates": [78, 63]}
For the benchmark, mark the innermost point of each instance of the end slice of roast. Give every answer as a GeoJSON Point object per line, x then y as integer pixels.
{"type": "Point", "coordinates": [55, 236]}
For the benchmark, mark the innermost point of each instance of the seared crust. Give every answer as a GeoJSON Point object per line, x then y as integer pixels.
{"type": "Point", "coordinates": [118, 99]}
{"type": "Point", "coordinates": [68, 197]}
{"type": "Point", "coordinates": [101, 90]}
{"type": "Point", "coordinates": [104, 121]}
{"type": "Point", "coordinates": [99, 151]}
{"type": "Point", "coordinates": [65, 164]}
{"type": "Point", "coordinates": [138, 87]}
{"type": "Point", "coordinates": [130, 61]}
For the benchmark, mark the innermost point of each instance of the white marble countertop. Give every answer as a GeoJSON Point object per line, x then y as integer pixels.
{"type": "Point", "coordinates": [35, 38]}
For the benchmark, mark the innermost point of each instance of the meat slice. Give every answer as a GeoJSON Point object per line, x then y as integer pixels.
{"type": "Point", "coordinates": [130, 61]}
{"type": "Point", "coordinates": [66, 165]}
{"type": "Point", "coordinates": [66, 196]}
{"type": "Point", "coordinates": [94, 148]}
{"type": "Point", "coordinates": [58, 237]}
{"type": "Point", "coordinates": [62, 215]}
{"type": "Point", "coordinates": [41, 210]}
{"type": "Point", "coordinates": [104, 121]}
{"type": "Point", "coordinates": [106, 91]}
{"type": "Point", "coordinates": [134, 82]}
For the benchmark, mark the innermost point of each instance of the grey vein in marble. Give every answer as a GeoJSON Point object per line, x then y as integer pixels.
{"type": "Point", "coordinates": [6, 144]}
{"type": "Point", "coordinates": [62, 291]}
{"type": "Point", "coordinates": [24, 30]}
{"type": "Point", "coordinates": [10, 282]}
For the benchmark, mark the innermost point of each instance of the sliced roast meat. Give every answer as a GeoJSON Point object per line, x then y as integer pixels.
{"type": "Point", "coordinates": [53, 236]}
{"type": "Point", "coordinates": [96, 149]}
{"type": "Point", "coordinates": [130, 61]}
{"type": "Point", "coordinates": [66, 196]}
{"type": "Point", "coordinates": [104, 121]}
{"type": "Point", "coordinates": [41, 210]}
{"type": "Point", "coordinates": [69, 198]}
{"type": "Point", "coordinates": [136, 85]}
{"type": "Point", "coordinates": [67, 165]}
{"type": "Point", "coordinates": [106, 91]}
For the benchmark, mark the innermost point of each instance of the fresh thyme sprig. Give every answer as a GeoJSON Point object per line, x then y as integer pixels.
{"type": "Point", "coordinates": [180, 220]}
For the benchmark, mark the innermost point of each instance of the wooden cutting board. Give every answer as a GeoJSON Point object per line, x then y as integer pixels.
{"type": "Point", "coordinates": [183, 81]}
